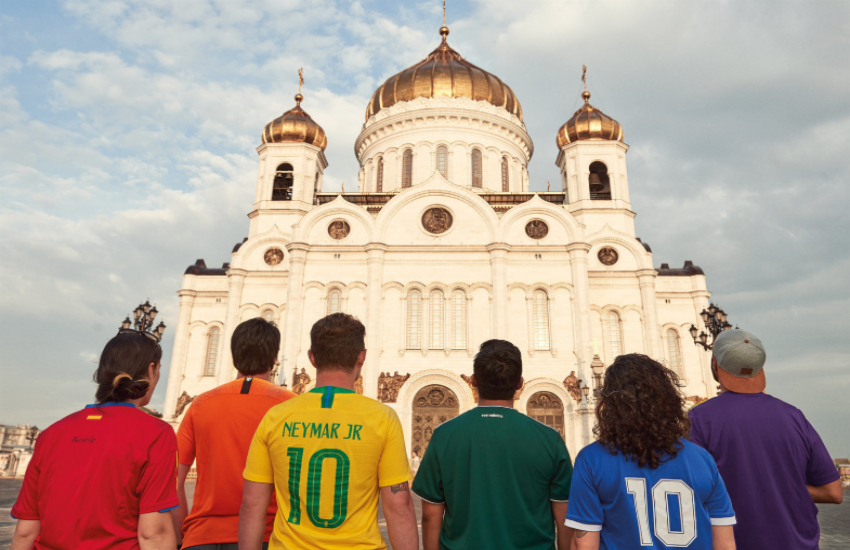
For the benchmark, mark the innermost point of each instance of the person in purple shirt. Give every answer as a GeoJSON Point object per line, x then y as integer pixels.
{"type": "Point", "coordinates": [772, 460]}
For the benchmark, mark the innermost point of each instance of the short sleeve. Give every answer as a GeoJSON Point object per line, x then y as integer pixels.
{"type": "Point", "coordinates": [559, 487]}
{"type": "Point", "coordinates": [186, 438]}
{"type": "Point", "coordinates": [26, 507]}
{"type": "Point", "coordinates": [428, 483]}
{"type": "Point", "coordinates": [585, 510]}
{"type": "Point", "coordinates": [258, 465]}
{"type": "Point", "coordinates": [719, 505]}
{"type": "Point", "coordinates": [820, 469]}
{"type": "Point", "coordinates": [393, 467]}
{"type": "Point", "coordinates": [157, 486]}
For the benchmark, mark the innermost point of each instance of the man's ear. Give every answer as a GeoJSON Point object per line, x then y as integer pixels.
{"type": "Point", "coordinates": [521, 382]}
{"type": "Point", "coordinates": [361, 358]}
{"type": "Point", "coordinates": [312, 359]}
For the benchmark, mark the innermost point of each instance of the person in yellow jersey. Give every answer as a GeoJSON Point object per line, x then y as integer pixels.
{"type": "Point", "coordinates": [328, 454]}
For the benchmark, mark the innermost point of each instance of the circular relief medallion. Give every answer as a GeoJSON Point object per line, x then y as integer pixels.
{"type": "Point", "coordinates": [437, 220]}
{"type": "Point", "coordinates": [608, 256]}
{"type": "Point", "coordinates": [339, 229]}
{"type": "Point", "coordinates": [273, 256]}
{"type": "Point", "coordinates": [536, 229]}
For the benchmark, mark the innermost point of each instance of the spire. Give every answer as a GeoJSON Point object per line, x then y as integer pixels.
{"type": "Point", "coordinates": [585, 94]}
{"type": "Point", "coordinates": [444, 30]}
{"type": "Point", "coordinates": [298, 97]}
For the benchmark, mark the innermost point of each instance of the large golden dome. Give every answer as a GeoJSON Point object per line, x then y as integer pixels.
{"type": "Point", "coordinates": [589, 123]}
{"type": "Point", "coordinates": [444, 73]}
{"type": "Point", "coordinates": [295, 125]}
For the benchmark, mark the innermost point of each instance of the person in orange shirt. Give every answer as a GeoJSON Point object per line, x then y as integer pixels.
{"type": "Point", "coordinates": [216, 434]}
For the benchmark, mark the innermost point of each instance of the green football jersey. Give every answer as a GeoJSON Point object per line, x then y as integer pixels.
{"type": "Point", "coordinates": [496, 470]}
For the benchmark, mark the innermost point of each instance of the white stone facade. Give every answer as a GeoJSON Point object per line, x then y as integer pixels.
{"type": "Point", "coordinates": [483, 278]}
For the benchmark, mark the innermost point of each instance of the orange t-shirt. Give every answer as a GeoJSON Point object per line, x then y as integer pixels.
{"type": "Point", "coordinates": [216, 433]}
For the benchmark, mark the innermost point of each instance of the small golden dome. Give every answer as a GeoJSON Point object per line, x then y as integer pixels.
{"type": "Point", "coordinates": [295, 125]}
{"type": "Point", "coordinates": [444, 73]}
{"type": "Point", "coordinates": [589, 123]}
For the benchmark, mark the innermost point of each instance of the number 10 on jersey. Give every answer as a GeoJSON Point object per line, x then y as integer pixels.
{"type": "Point", "coordinates": [314, 486]}
{"type": "Point", "coordinates": [636, 486]}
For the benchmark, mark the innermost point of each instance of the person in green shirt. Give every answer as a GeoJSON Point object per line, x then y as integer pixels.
{"type": "Point", "coordinates": [493, 477]}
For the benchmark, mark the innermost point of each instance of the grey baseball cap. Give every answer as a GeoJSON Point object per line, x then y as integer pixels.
{"type": "Point", "coordinates": [741, 357]}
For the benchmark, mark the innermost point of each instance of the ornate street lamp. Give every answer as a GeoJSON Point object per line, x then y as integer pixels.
{"type": "Point", "coordinates": [32, 433]}
{"type": "Point", "coordinates": [597, 366]}
{"type": "Point", "coordinates": [715, 322]}
{"type": "Point", "coordinates": [143, 317]}
{"type": "Point", "coordinates": [586, 391]}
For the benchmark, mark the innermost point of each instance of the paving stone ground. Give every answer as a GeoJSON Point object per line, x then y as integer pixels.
{"type": "Point", "coordinates": [834, 520]}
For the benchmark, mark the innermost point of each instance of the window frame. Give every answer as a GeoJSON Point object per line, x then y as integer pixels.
{"type": "Point", "coordinates": [212, 352]}
{"type": "Point", "coordinates": [413, 322]}
{"type": "Point", "coordinates": [541, 321]}
{"type": "Point", "coordinates": [477, 169]}
{"type": "Point", "coordinates": [333, 294]}
{"type": "Point", "coordinates": [407, 168]}
{"type": "Point", "coordinates": [442, 151]}
{"type": "Point", "coordinates": [506, 181]}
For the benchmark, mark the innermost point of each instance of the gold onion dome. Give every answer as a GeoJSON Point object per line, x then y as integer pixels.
{"type": "Point", "coordinates": [589, 123]}
{"type": "Point", "coordinates": [295, 125]}
{"type": "Point", "coordinates": [444, 73]}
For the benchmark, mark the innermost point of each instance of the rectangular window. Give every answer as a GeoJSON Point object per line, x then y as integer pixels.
{"type": "Point", "coordinates": [437, 316]}
{"type": "Point", "coordinates": [541, 321]}
{"type": "Point", "coordinates": [459, 319]}
{"type": "Point", "coordinates": [414, 320]}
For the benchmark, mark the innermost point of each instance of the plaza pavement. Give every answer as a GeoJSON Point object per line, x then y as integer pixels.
{"type": "Point", "coordinates": [834, 520]}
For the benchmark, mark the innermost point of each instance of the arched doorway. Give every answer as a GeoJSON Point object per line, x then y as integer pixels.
{"type": "Point", "coordinates": [547, 408]}
{"type": "Point", "coordinates": [432, 406]}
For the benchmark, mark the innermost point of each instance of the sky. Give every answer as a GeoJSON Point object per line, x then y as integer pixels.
{"type": "Point", "coordinates": [128, 131]}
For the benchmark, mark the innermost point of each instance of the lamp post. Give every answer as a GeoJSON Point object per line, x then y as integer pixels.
{"type": "Point", "coordinates": [143, 318]}
{"type": "Point", "coordinates": [586, 391]}
{"type": "Point", "coordinates": [715, 322]}
{"type": "Point", "coordinates": [32, 434]}
{"type": "Point", "coordinates": [597, 367]}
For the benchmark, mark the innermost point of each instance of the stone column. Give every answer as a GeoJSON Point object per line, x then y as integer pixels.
{"type": "Point", "coordinates": [652, 336]}
{"type": "Point", "coordinates": [178, 354]}
{"type": "Point", "coordinates": [236, 282]}
{"type": "Point", "coordinates": [581, 314]}
{"type": "Point", "coordinates": [498, 268]}
{"type": "Point", "coordinates": [291, 334]}
{"type": "Point", "coordinates": [374, 320]}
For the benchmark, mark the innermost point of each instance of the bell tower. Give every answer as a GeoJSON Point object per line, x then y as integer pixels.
{"type": "Point", "coordinates": [592, 159]}
{"type": "Point", "coordinates": [292, 162]}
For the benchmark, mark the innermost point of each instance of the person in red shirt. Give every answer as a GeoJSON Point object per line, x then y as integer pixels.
{"type": "Point", "coordinates": [216, 434]}
{"type": "Point", "coordinates": [103, 477]}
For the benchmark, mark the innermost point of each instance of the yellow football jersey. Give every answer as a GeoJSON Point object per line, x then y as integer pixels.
{"type": "Point", "coordinates": [327, 453]}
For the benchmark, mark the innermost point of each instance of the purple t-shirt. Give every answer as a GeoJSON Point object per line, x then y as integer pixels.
{"type": "Point", "coordinates": [766, 452]}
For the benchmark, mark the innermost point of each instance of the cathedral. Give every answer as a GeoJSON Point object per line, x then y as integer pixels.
{"type": "Point", "coordinates": [442, 247]}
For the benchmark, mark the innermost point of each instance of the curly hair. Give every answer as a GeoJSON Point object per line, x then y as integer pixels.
{"type": "Point", "coordinates": [640, 412]}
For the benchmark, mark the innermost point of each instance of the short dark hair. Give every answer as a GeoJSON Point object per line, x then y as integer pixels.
{"type": "Point", "coordinates": [641, 412]}
{"type": "Point", "coordinates": [336, 341]}
{"type": "Point", "coordinates": [255, 344]}
{"type": "Point", "coordinates": [122, 372]}
{"type": "Point", "coordinates": [498, 369]}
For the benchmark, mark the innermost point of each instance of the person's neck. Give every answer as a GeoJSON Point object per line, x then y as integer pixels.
{"type": "Point", "coordinates": [267, 376]}
{"type": "Point", "coordinates": [507, 403]}
{"type": "Point", "coordinates": [336, 378]}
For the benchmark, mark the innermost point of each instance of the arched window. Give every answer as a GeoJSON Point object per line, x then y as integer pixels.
{"type": "Point", "coordinates": [459, 319]}
{"type": "Point", "coordinates": [212, 351]}
{"type": "Point", "coordinates": [443, 160]}
{"type": "Point", "coordinates": [506, 183]}
{"type": "Point", "coordinates": [283, 178]}
{"type": "Point", "coordinates": [600, 184]}
{"type": "Point", "coordinates": [477, 170]}
{"type": "Point", "coordinates": [414, 320]}
{"type": "Point", "coordinates": [407, 168]}
{"type": "Point", "coordinates": [437, 316]}
{"type": "Point", "coordinates": [334, 301]}
{"type": "Point", "coordinates": [541, 320]}
{"type": "Point", "coordinates": [268, 315]}
{"type": "Point", "coordinates": [379, 183]}
{"type": "Point", "coordinates": [674, 352]}
{"type": "Point", "coordinates": [316, 183]}
{"type": "Point", "coordinates": [615, 336]}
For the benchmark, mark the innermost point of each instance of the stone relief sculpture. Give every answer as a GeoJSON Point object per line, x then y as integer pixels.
{"type": "Point", "coordinates": [389, 386]}
{"type": "Point", "coordinates": [437, 220]}
{"type": "Point", "coordinates": [300, 381]}
{"type": "Point", "coordinates": [273, 256]}
{"type": "Point", "coordinates": [183, 402]}
{"type": "Point", "coordinates": [339, 229]}
{"type": "Point", "coordinates": [608, 256]}
{"type": "Point", "coordinates": [573, 386]}
{"type": "Point", "coordinates": [536, 229]}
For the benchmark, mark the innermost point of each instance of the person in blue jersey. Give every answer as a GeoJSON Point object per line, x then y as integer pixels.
{"type": "Point", "coordinates": [642, 484]}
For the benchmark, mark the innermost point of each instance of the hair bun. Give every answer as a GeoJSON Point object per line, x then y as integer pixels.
{"type": "Point", "coordinates": [123, 376]}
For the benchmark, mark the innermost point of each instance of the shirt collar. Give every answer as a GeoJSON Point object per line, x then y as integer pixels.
{"type": "Point", "coordinates": [110, 404]}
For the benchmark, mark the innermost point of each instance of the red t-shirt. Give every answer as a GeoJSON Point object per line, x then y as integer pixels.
{"type": "Point", "coordinates": [216, 434]}
{"type": "Point", "coordinates": [94, 472]}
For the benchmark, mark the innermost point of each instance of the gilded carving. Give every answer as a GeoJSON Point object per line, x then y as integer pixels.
{"type": "Point", "coordinates": [339, 229]}
{"type": "Point", "coordinates": [183, 402]}
{"type": "Point", "coordinates": [389, 385]}
{"type": "Point", "coordinates": [608, 256]}
{"type": "Point", "coordinates": [300, 381]}
{"type": "Point", "coordinates": [432, 405]}
{"type": "Point", "coordinates": [273, 256]}
{"type": "Point", "coordinates": [547, 408]}
{"type": "Point", "coordinates": [573, 386]}
{"type": "Point", "coordinates": [437, 220]}
{"type": "Point", "coordinates": [536, 229]}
